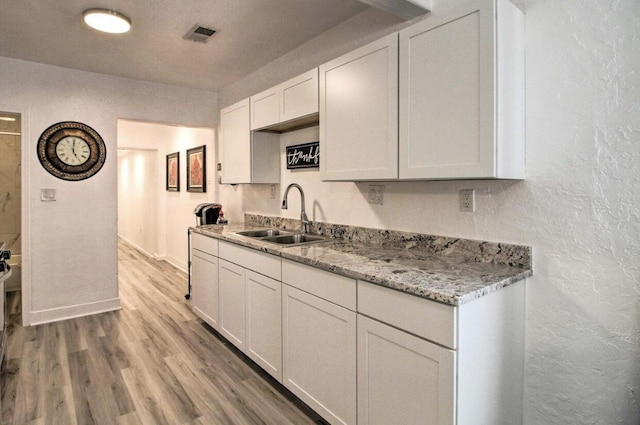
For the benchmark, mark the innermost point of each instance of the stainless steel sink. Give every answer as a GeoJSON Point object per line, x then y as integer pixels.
{"type": "Point", "coordinates": [261, 233]}
{"type": "Point", "coordinates": [296, 239]}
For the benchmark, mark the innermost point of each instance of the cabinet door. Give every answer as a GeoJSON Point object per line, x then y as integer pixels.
{"type": "Point", "coordinates": [359, 113]}
{"type": "Point", "coordinates": [264, 322]}
{"type": "Point", "coordinates": [447, 109]}
{"type": "Point", "coordinates": [299, 96]}
{"type": "Point", "coordinates": [232, 303]}
{"type": "Point", "coordinates": [235, 136]}
{"type": "Point", "coordinates": [204, 287]}
{"type": "Point", "coordinates": [403, 379]}
{"type": "Point", "coordinates": [265, 108]}
{"type": "Point", "coordinates": [319, 349]}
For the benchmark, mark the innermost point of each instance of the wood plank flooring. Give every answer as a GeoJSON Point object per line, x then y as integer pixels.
{"type": "Point", "coordinates": [153, 362]}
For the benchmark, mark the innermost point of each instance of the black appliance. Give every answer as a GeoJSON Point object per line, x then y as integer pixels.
{"type": "Point", "coordinates": [207, 214]}
{"type": "Point", "coordinates": [5, 254]}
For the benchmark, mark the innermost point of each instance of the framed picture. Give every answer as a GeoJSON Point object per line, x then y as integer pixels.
{"type": "Point", "coordinates": [306, 155]}
{"type": "Point", "coordinates": [173, 172]}
{"type": "Point", "coordinates": [196, 169]}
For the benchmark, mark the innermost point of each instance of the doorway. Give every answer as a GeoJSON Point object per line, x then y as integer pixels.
{"type": "Point", "coordinates": [11, 193]}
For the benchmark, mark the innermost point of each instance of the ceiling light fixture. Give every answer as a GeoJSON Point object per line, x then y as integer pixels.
{"type": "Point", "coordinates": [107, 21]}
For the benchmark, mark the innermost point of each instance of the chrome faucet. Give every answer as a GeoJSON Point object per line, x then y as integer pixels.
{"type": "Point", "coordinates": [304, 221]}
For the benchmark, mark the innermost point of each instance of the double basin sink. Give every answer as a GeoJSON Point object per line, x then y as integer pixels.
{"type": "Point", "coordinates": [280, 237]}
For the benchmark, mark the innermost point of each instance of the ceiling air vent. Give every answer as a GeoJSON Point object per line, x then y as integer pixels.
{"type": "Point", "coordinates": [199, 34]}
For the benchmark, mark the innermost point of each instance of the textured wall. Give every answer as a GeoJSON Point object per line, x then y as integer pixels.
{"type": "Point", "coordinates": [583, 129]}
{"type": "Point", "coordinates": [578, 208]}
{"type": "Point", "coordinates": [70, 255]}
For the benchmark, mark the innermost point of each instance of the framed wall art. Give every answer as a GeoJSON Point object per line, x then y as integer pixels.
{"type": "Point", "coordinates": [173, 172]}
{"type": "Point", "coordinates": [306, 155]}
{"type": "Point", "coordinates": [196, 170]}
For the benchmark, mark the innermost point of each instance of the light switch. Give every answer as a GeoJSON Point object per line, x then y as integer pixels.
{"type": "Point", "coordinates": [47, 195]}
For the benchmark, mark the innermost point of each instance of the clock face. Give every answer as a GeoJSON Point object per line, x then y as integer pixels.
{"type": "Point", "coordinates": [71, 151]}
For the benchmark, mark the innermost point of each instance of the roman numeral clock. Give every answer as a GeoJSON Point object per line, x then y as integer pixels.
{"type": "Point", "coordinates": [71, 150]}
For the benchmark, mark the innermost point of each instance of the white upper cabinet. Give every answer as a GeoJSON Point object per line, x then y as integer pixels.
{"type": "Point", "coordinates": [247, 157]}
{"type": "Point", "coordinates": [235, 136]}
{"type": "Point", "coordinates": [359, 113]}
{"type": "Point", "coordinates": [461, 109]}
{"type": "Point", "coordinates": [299, 96]}
{"type": "Point", "coordinates": [286, 103]}
{"type": "Point", "coordinates": [265, 108]}
{"type": "Point", "coordinates": [448, 103]}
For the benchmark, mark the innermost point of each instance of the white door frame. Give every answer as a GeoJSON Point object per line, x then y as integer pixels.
{"type": "Point", "coordinates": [25, 210]}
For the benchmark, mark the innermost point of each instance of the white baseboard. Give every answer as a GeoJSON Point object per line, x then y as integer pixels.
{"type": "Point", "coordinates": [80, 310]}
{"type": "Point", "coordinates": [182, 265]}
{"type": "Point", "coordinates": [136, 246]}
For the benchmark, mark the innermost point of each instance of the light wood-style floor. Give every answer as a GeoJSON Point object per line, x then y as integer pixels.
{"type": "Point", "coordinates": [153, 362]}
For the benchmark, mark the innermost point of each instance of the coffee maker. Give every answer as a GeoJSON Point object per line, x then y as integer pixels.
{"type": "Point", "coordinates": [207, 214]}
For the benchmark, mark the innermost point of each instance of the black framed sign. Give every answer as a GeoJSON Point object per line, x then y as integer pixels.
{"type": "Point", "coordinates": [306, 155]}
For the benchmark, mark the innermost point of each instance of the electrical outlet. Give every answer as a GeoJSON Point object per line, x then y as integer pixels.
{"type": "Point", "coordinates": [272, 191]}
{"type": "Point", "coordinates": [376, 194]}
{"type": "Point", "coordinates": [468, 200]}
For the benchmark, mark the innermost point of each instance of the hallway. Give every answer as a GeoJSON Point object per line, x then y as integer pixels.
{"type": "Point", "coordinates": [153, 362]}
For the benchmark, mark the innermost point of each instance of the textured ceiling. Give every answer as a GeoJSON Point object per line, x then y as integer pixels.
{"type": "Point", "coordinates": [250, 34]}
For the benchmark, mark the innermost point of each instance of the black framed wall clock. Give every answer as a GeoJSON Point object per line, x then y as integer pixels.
{"type": "Point", "coordinates": [71, 151]}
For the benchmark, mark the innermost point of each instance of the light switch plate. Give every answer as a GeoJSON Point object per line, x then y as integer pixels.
{"type": "Point", "coordinates": [47, 195]}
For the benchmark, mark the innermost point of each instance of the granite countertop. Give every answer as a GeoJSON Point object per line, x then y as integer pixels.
{"type": "Point", "coordinates": [450, 279]}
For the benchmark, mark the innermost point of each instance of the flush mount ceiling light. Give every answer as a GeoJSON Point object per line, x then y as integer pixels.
{"type": "Point", "coordinates": [107, 21]}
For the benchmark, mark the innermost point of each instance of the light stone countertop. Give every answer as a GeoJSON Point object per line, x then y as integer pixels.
{"type": "Point", "coordinates": [449, 279]}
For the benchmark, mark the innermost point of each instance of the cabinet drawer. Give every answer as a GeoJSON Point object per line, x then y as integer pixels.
{"type": "Point", "coordinates": [195, 253]}
{"type": "Point", "coordinates": [204, 243]}
{"type": "Point", "coordinates": [424, 318]}
{"type": "Point", "coordinates": [329, 286]}
{"type": "Point", "coordinates": [260, 262]}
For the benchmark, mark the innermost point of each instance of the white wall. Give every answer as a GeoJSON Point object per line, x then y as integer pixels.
{"type": "Point", "coordinates": [138, 198]}
{"type": "Point", "coordinates": [69, 246]}
{"type": "Point", "coordinates": [578, 207]}
{"type": "Point", "coordinates": [173, 211]}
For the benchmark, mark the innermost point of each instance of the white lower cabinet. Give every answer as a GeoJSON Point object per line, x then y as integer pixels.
{"type": "Point", "coordinates": [204, 287]}
{"type": "Point", "coordinates": [360, 353]}
{"type": "Point", "coordinates": [264, 322]}
{"type": "Point", "coordinates": [204, 278]}
{"type": "Point", "coordinates": [232, 303]}
{"type": "Point", "coordinates": [251, 304]}
{"type": "Point", "coordinates": [319, 346]}
{"type": "Point", "coordinates": [403, 379]}
{"type": "Point", "coordinates": [422, 362]}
